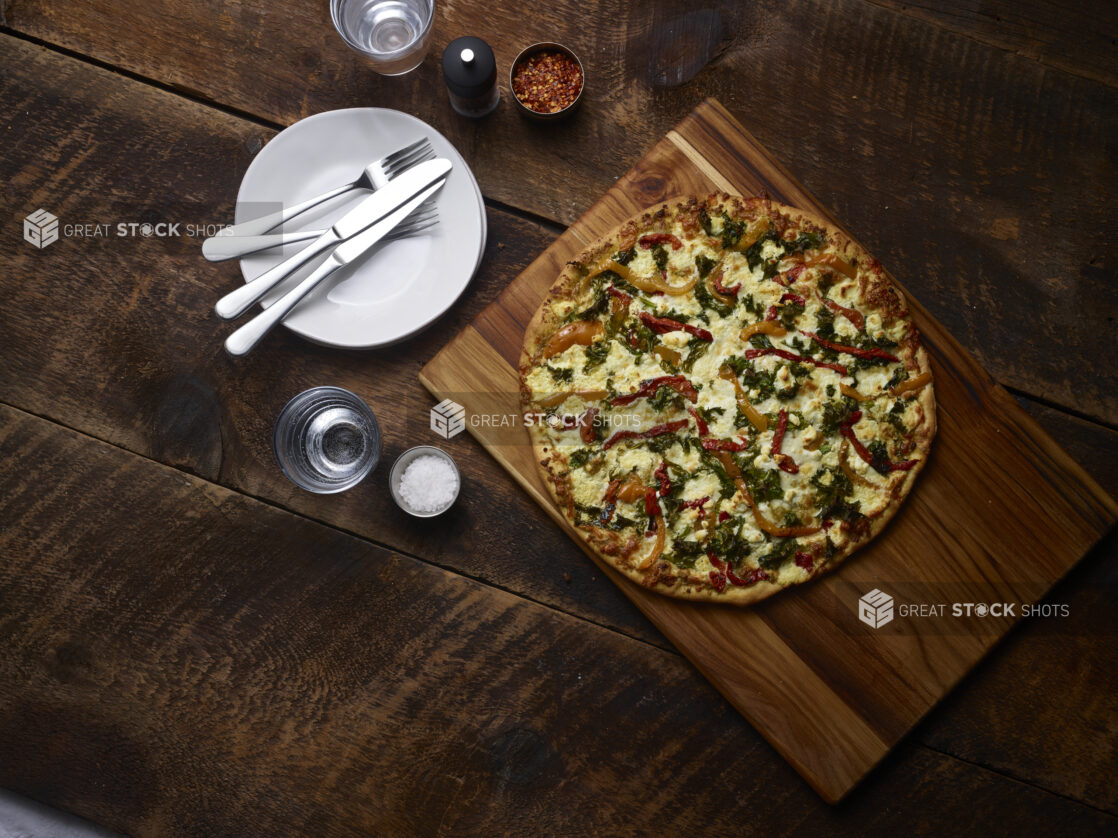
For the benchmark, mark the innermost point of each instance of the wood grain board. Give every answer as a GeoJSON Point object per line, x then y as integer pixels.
{"type": "Point", "coordinates": [1000, 513]}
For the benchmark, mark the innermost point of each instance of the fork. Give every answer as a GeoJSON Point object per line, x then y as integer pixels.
{"type": "Point", "coordinates": [231, 247]}
{"type": "Point", "coordinates": [372, 177]}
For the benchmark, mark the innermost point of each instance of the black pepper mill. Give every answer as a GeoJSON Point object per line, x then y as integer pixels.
{"type": "Point", "coordinates": [470, 70]}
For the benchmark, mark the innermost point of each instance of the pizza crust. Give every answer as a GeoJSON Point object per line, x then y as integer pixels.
{"type": "Point", "coordinates": [610, 546]}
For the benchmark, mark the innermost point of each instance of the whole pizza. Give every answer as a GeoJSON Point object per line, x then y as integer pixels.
{"type": "Point", "coordinates": [726, 396]}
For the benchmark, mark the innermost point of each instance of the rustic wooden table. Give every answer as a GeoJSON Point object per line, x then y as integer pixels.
{"type": "Point", "coordinates": [193, 646]}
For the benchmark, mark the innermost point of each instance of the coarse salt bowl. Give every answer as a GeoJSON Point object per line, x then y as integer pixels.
{"type": "Point", "coordinates": [431, 487]}
{"type": "Point", "coordinates": [544, 48]}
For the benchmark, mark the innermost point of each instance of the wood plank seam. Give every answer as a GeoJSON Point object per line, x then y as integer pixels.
{"type": "Point", "coordinates": [371, 541]}
{"type": "Point", "coordinates": [970, 35]}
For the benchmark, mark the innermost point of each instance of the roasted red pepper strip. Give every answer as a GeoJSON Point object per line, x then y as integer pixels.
{"type": "Point", "coordinates": [726, 570]}
{"type": "Point", "coordinates": [651, 505]}
{"type": "Point", "coordinates": [621, 295]}
{"type": "Point", "coordinates": [718, 580]}
{"type": "Point", "coordinates": [700, 423]}
{"type": "Point", "coordinates": [695, 504]}
{"type": "Point", "coordinates": [850, 350]}
{"type": "Point", "coordinates": [804, 560]}
{"type": "Point", "coordinates": [771, 313]}
{"type": "Point", "coordinates": [855, 317]}
{"type": "Point", "coordinates": [783, 461]}
{"type": "Point", "coordinates": [660, 325]}
{"type": "Point", "coordinates": [716, 281]}
{"type": "Point", "coordinates": [793, 298]}
{"type": "Point", "coordinates": [609, 502]}
{"type": "Point", "coordinates": [789, 276]}
{"type": "Point", "coordinates": [723, 516]}
{"type": "Point", "coordinates": [655, 430]}
{"type": "Point", "coordinates": [587, 432]}
{"type": "Point", "coordinates": [723, 445]}
{"type": "Point", "coordinates": [661, 474]}
{"type": "Point", "coordinates": [792, 356]}
{"type": "Point", "coordinates": [660, 238]}
{"type": "Point", "coordinates": [752, 578]}
{"type": "Point", "coordinates": [650, 385]}
{"type": "Point", "coordinates": [847, 430]}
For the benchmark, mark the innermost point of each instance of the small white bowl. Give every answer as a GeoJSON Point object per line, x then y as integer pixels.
{"type": "Point", "coordinates": [397, 475]}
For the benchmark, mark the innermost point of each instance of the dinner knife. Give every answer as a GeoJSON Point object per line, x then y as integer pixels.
{"type": "Point", "coordinates": [247, 336]}
{"type": "Point", "coordinates": [372, 209]}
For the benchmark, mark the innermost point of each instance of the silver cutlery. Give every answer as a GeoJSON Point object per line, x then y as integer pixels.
{"type": "Point", "coordinates": [247, 336]}
{"type": "Point", "coordinates": [231, 247]}
{"type": "Point", "coordinates": [374, 176]}
{"type": "Point", "coordinates": [370, 210]}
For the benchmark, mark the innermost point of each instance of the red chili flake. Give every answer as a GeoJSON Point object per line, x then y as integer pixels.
{"type": "Point", "coordinates": [660, 325]}
{"type": "Point", "coordinates": [650, 385]}
{"type": "Point", "coordinates": [660, 238]}
{"type": "Point", "coordinates": [804, 560]}
{"type": "Point", "coordinates": [547, 81]}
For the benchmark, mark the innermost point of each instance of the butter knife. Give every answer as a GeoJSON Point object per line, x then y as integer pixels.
{"type": "Point", "coordinates": [372, 209]}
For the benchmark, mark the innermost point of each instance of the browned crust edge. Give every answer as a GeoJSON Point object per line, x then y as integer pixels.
{"type": "Point", "coordinates": [552, 464]}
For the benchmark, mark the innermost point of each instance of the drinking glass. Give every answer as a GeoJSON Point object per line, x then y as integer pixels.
{"type": "Point", "coordinates": [326, 440]}
{"type": "Point", "coordinates": [393, 34]}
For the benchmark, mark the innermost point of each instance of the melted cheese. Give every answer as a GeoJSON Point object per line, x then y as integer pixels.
{"type": "Point", "coordinates": [815, 453]}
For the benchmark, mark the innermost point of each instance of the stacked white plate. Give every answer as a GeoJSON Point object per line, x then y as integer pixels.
{"type": "Point", "coordinates": [401, 287]}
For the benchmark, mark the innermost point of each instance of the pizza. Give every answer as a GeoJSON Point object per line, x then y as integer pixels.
{"type": "Point", "coordinates": [726, 396]}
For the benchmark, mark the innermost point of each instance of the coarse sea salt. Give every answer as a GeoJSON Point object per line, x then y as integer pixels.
{"type": "Point", "coordinates": [429, 484]}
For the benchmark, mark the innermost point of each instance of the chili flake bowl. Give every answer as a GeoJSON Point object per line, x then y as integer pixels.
{"type": "Point", "coordinates": [522, 61]}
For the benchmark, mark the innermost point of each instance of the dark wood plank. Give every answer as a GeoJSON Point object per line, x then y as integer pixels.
{"type": "Point", "coordinates": [163, 342]}
{"type": "Point", "coordinates": [972, 173]}
{"type": "Point", "coordinates": [1032, 692]}
{"type": "Point", "coordinates": [1077, 38]}
{"type": "Point", "coordinates": [116, 336]}
{"type": "Point", "coordinates": [149, 683]}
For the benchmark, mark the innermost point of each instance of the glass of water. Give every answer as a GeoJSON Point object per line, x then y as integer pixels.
{"type": "Point", "coordinates": [326, 440]}
{"type": "Point", "coordinates": [393, 34]}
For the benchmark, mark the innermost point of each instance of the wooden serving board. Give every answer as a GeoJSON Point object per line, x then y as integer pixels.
{"type": "Point", "coordinates": [1000, 513]}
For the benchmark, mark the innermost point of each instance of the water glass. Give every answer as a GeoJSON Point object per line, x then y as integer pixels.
{"type": "Point", "coordinates": [393, 34]}
{"type": "Point", "coordinates": [326, 440]}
